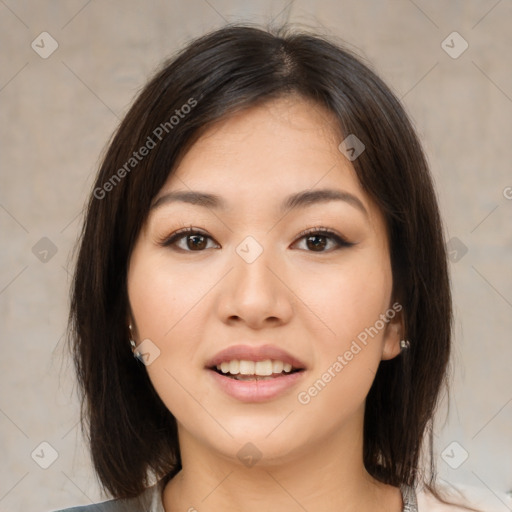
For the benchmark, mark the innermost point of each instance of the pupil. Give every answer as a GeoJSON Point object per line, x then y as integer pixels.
{"type": "Point", "coordinates": [316, 245]}
{"type": "Point", "coordinates": [195, 237]}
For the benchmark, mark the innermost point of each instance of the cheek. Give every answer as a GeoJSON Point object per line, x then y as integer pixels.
{"type": "Point", "coordinates": [346, 299]}
{"type": "Point", "coordinates": [168, 307]}
{"type": "Point", "coordinates": [162, 303]}
{"type": "Point", "coordinates": [350, 303]}
{"type": "Point", "coordinates": [162, 299]}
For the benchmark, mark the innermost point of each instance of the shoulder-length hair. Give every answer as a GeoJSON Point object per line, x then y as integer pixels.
{"type": "Point", "coordinates": [131, 434]}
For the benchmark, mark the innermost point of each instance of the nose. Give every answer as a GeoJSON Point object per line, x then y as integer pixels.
{"type": "Point", "coordinates": [256, 292]}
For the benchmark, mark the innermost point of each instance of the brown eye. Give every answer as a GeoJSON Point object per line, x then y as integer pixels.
{"type": "Point", "coordinates": [315, 242]}
{"type": "Point", "coordinates": [317, 239]}
{"type": "Point", "coordinates": [194, 241]}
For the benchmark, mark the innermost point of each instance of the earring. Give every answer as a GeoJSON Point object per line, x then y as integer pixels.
{"type": "Point", "coordinates": [404, 344]}
{"type": "Point", "coordinates": [136, 353]}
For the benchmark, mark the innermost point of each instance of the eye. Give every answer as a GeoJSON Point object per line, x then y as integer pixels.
{"type": "Point", "coordinates": [195, 241]}
{"type": "Point", "coordinates": [317, 239]}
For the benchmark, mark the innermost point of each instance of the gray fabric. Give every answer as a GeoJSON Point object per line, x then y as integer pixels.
{"type": "Point", "coordinates": [151, 501]}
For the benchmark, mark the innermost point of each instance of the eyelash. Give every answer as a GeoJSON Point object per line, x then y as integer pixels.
{"type": "Point", "coordinates": [321, 231]}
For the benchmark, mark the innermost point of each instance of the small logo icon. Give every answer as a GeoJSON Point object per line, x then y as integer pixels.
{"type": "Point", "coordinates": [44, 45]}
{"type": "Point", "coordinates": [44, 455]}
{"type": "Point", "coordinates": [249, 455]}
{"type": "Point", "coordinates": [44, 250]}
{"type": "Point", "coordinates": [351, 147]}
{"type": "Point", "coordinates": [454, 455]}
{"type": "Point", "coordinates": [249, 249]}
{"type": "Point", "coordinates": [454, 45]}
{"type": "Point", "coordinates": [147, 352]}
{"type": "Point", "coordinates": [456, 249]}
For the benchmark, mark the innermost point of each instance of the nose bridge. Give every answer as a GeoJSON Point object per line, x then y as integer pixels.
{"type": "Point", "coordinates": [251, 265]}
{"type": "Point", "coordinates": [253, 292]}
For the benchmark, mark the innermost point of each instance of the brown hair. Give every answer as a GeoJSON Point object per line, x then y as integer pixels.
{"type": "Point", "coordinates": [131, 432]}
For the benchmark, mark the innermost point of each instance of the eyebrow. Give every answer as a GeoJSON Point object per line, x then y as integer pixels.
{"type": "Point", "coordinates": [297, 200]}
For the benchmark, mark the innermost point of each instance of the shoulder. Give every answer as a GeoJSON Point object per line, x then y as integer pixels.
{"type": "Point", "coordinates": [462, 498]}
{"type": "Point", "coordinates": [149, 501]}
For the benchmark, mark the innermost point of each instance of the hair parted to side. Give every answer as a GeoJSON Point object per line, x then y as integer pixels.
{"type": "Point", "coordinates": [132, 435]}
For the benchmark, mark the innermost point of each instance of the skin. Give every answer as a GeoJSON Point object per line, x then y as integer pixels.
{"type": "Point", "coordinates": [192, 303]}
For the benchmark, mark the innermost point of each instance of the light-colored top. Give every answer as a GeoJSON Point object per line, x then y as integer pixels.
{"type": "Point", "coordinates": [414, 501]}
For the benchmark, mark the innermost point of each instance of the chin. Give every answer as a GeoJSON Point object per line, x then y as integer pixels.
{"type": "Point", "coordinates": [252, 444]}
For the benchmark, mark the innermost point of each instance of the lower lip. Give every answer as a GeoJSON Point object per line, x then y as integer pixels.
{"type": "Point", "coordinates": [256, 390]}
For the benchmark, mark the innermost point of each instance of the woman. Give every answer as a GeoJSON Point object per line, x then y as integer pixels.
{"type": "Point", "coordinates": [265, 236]}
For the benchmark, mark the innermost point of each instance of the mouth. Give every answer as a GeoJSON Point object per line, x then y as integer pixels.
{"type": "Point", "coordinates": [253, 374]}
{"type": "Point", "coordinates": [247, 371]}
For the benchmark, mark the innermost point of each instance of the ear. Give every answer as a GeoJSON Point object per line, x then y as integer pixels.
{"type": "Point", "coordinates": [393, 333]}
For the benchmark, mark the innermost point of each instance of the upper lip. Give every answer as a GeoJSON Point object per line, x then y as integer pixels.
{"type": "Point", "coordinates": [254, 353]}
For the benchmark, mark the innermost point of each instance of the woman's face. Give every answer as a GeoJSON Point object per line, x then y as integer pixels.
{"type": "Point", "coordinates": [251, 292]}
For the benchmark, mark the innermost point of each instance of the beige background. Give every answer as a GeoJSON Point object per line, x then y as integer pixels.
{"type": "Point", "coordinates": [56, 115]}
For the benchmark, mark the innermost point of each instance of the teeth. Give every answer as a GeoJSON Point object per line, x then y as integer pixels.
{"type": "Point", "coordinates": [234, 367]}
{"type": "Point", "coordinates": [260, 368]}
{"type": "Point", "coordinates": [247, 367]}
{"type": "Point", "coordinates": [263, 368]}
{"type": "Point", "coordinates": [277, 366]}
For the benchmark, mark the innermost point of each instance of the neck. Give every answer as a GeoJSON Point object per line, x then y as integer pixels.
{"type": "Point", "coordinates": [322, 480]}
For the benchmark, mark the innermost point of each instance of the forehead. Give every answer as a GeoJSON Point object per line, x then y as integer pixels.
{"type": "Point", "coordinates": [284, 143]}
{"type": "Point", "coordinates": [256, 157]}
